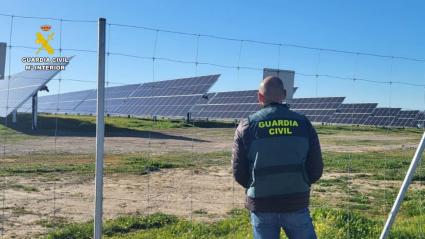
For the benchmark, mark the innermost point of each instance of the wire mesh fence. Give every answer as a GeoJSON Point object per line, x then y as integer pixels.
{"type": "Point", "coordinates": [183, 168]}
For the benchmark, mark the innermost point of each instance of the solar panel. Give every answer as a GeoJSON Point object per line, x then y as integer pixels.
{"type": "Point", "coordinates": [228, 111]}
{"type": "Point", "coordinates": [14, 92]}
{"type": "Point", "coordinates": [352, 113]}
{"type": "Point", "coordinates": [379, 120]}
{"type": "Point", "coordinates": [240, 104]}
{"type": "Point", "coordinates": [405, 114]}
{"type": "Point", "coordinates": [63, 103]}
{"type": "Point", "coordinates": [420, 120]}
{"type": "Point", "coordinates": [114, 99]}
{"type": "Point", "coordinates": [317, 109]}
{"type": "Point", "coordinates": [386, 111]}
{"type": "Point", "coordinates": [159, 106]}
{"type": "Point", "coordinates": [311, 100]}
{"type": "Point", "coordinates": [227, 105]}
{"type": "Point", "coordinates": [171, 98]}
{"type": "Point", "coordinates": [363, 108]}
{"type": "Point", "coordinates": [382, 116]}
{"type": "Point", "coordinates": [184, 86]}
{"type": "Point", "coordinates": [406, 118]}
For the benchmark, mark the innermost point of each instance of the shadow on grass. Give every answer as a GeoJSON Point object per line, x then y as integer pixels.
{"type": "Point", "coordinates": [75, 126]}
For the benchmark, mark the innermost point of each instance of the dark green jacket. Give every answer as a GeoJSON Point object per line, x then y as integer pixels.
{"type": "Point", "coordinates": [276, 157]}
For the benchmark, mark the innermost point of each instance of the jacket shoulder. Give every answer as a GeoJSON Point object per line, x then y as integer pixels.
{"type": "Point", "coordinates": [257, 116]}
{"type": "Point", "coordinates": [298, 115]}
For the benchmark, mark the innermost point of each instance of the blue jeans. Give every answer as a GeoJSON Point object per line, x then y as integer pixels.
{"type": "Point", "coordinates": [297, 225]}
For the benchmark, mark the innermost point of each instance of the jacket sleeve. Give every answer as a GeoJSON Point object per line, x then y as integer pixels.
{"type": "Point", "coordinates": [240, 163]}
{"type": "Point", "coordinates": [314, 163]}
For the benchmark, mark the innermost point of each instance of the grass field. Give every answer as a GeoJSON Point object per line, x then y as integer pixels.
{"type": "Point", "coordinates": [49, 187]}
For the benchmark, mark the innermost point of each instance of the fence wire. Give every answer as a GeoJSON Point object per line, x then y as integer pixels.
{"type": "Point", "coordinates": [63, 195]}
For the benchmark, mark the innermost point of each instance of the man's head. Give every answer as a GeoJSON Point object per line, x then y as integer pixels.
{"type": "Point", "coordinates": [271, 91]}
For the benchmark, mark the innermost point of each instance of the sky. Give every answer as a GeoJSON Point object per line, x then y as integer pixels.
{"type": "Point", "coordinates": [393, 28]}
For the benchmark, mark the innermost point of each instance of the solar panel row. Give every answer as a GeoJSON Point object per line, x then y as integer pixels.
{"type": "Point", "coordinates": [406, 118]}
{"type": "Point", "coordinates": [240, 104]}
{"type": "Point", "coordinates": [382, 116]}
{"type": "Point", "coordinates": [316, 109]}
{"type": "Point", "coordinates": [421, 119]}
{"type": "Point", "coordinates": [227, 105]}
{"type": "Point", "coordinates": [379, 120]}
{"type": "Point", "coordinates": [385, 111]}
{"type": "Point", "coordinates": [17, 89]}
{"type": "Point", "coordinates": [352, 113]}
{"type": "Point", "coordinates": [175, 98]}
{"type": "Point", "coordinates": [63, 103]}
{"type": "Point", "coordinates": [170, 98]}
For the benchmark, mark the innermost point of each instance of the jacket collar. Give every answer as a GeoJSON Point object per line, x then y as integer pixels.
{"type": "Point", "coordinates": [275, 104]}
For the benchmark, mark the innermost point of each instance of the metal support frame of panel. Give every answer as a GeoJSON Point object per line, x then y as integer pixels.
{"type": "Point", "coordinates": [404, 187]}
{"type": "Point", "coordinates": [2, 59]}
{"type": "Point", "coordinates": [14, 116]}
{"type": "Point", "coordinates": [188, 117]}
{"type": "Point", "coordinates": [100, 129]}
{"type": "Point", "coordinates": [34, 111]}
{"type": "Point", "coordinates": [20, 87]}
{"type": "Point", "coordinates": [287, 78]}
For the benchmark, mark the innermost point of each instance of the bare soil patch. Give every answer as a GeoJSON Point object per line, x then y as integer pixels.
{"type": "Point", "coordinates": [203, 195]}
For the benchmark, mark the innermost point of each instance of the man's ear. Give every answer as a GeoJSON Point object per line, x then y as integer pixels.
{"type": "Point", "coordinates": [260, 98]}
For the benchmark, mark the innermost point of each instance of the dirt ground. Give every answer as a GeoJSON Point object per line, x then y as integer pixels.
{"type": "Point", "coordinates": [201, 195]}
{"type": "Point", "coordinates": [200, 140]}
{"type": "Point", "coordinates": [206, 195]}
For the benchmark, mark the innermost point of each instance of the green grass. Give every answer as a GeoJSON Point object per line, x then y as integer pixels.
{"type": "Point", "coordinates": [48, 163]}
{"type": "Point", "coordinates": [343, 129]}
{"type": "Point", "coordinates": [81, 125]}
{"type": "Point", "coordinates": [329, 223]}
{"type": "Point", "coordinates": [20, 187]}
{"type": "Point", "coordinates": [372, 205]}
{"type": "Point", "coordinates": [148, 163]}
{"type": "Point", "coordinates": [373, 199]}
{"type": "Point", "coordinates": [391, 165]}
{"type": "Point", "coordinates": [9, 135]}
{"type": "Point", "coordinates": [84, 123]}
{"type": "Point", "coordinates": [119, 225]}
{"type": "Point", "coordinates": [42, 164]}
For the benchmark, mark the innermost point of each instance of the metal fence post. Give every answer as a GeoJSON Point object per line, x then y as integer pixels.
{"type": "Point", "coordinates": [407, 180]}
{"type": "Point", "coordinates": [100, 129]}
